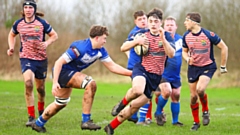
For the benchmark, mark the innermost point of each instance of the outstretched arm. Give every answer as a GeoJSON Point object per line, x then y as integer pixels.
{"type": "Point", "coordinates": [117, 69]}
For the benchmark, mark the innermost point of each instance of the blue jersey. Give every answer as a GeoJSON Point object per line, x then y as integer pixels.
{"type": "Point", "coordinates": [173, 65]}
{"type": "Point", "coordinates": [80, 55]}
{"type": "Point", "coordinates": [133, 57]}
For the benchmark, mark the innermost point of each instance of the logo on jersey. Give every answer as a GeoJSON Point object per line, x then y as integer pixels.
{"type": "Point", "coordinates": [36, 28]}
{"type": "Point", "coordinates": [203, 42]}
{"type": "Point", "coordinates": [212, 34]}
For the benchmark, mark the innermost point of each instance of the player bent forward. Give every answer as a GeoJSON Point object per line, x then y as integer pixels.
{"type": "Point", "coordinates": [67, 75]}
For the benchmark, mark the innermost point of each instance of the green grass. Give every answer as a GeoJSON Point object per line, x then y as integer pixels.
{"type": "Point", "coordinates": [224, 106]}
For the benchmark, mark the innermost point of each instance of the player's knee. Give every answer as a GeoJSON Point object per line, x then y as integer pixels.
{"type": "Point", "coordinates": [136, 90]}
{"type": "Point", "coordinates": [29, 85]}
{"type": "Point", "coordinates": [86, 81]}
{"type": "Point", "coordinates": [176, 97]}
{"type": "Point", "coordinates": [194, 99]}
{"type": "Point", "coordinates": [41, 90]}
{"type": "Point", "coordinates": [62, 101]}
{"type": "Point", "coordinates": [200, 92]}
{"type": "Point", "coordinates": [91, 86]}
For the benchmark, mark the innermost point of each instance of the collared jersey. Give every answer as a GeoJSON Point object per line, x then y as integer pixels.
{"type": "Point", "coordinates": [31, 34]}
{"type": "Point", "coordinates": [173, 65]}
{"type": "Point", "coordinates": [80, 55]}
{"type": "Point", "coordinates": [154, 60]}
{"type": "Point", "coordinates": [200, 46]}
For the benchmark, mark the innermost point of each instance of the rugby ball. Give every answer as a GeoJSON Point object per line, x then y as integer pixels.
{"type": "Point", "coordinates": [140, 49]}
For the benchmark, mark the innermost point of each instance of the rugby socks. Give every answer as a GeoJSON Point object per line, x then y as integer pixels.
{"type": "Point", "coordinates": [124, 101]}
{"type": "Point", "coordinates": [85, 117]}
{"type": "Point", "coordinates": [156, 101]}
{"type": "Point", "coordinates": [40, 122]}
{"type": "Point", "coordinates": [175, 108]}
{"type": "Point", "coordinates": [161, 103]}
{"type": "Point", "coordinates": [149, 112]}
{"type": "Point", "coordinates": [40, 108]}
{"type": "Point", "coordinates": [115, 123]}
{"type": "Point", "coordinates": [31, 111]}
{"type": "Point", "coordinates": [204, 102]}
{"type": "Point", "coordinates": [143, 112]}
{"type": "Point", "coordinates": [135, 115]}
{"type": "Point", "coordinates": [195, 112]}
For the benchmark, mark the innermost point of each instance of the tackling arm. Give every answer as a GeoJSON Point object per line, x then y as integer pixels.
{"type": "Point", "coordinates": [117, 69]}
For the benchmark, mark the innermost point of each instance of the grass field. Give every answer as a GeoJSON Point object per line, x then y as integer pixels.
{"type": "Point", "coordinates": [224, 107]}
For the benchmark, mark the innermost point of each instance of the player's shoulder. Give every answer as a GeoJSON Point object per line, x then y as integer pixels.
{"type": "Point", "coordinates": [208, 32]}
{"type": "Point", "coordinates": [186, 33]}
{"type": "Point", "coordinates": [43, 21]}
{"type": "Point", "coordinates": [177, 36]}
{"type": "Point", "coordinates": [18, 21]}
{"type": "Point", "coordinates": [142, 31]}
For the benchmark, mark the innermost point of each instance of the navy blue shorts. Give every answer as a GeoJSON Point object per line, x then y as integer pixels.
{"type": "Point", "coordinates": [174, 84]}
{"type": "Point", "coordinates": [195, 72]}
{"type": "Point", "coordinates": [152, 80]}
{"type": "Point", "coordinates": [38, 67]}
{"type": "Point", "coordinates": [65, 76]}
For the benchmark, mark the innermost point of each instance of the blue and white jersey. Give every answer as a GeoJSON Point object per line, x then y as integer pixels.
{"type": "Point", "coordinates": [80, 55]}
{"type": "Point", "coordinates": [173, 65]}
{"type": "Point", "coordinates": [133, 57]}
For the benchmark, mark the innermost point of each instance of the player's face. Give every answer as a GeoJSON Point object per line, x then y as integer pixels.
{"type": "Point", "coordinates": [28, 11]}
{"type": "Point", "coordinates": [189, 23]}
{"type": "Point", "coordinates": [154, 24]}
{"type": "Point", "coordinates": [141, 21]}
{"type": "Point", "coordinates": [170, 26]}
{"type": "Point", "coordinates": [101, 40]}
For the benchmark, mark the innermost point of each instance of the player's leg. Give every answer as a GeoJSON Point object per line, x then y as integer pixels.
{"type": "Point", "coordinates": [62, 97]}
{"type": "Point", "coordinates": [194, 106]}
{"type": "Point", "coordinates": [143, 113]}
{"type": "Point", "coordinates": [201, 87]}
{"type": "Point", "coordinates": [28, 77]}
{"type": "Point", "coordinates": [166, 91]}
{"type": "Point", "coordinates": [138, 86]}
{"type": "Point", "coordinates": [40, 76]}
{"type": "Point", "coordinates": [126, 113]}
{"type": "Point", "coordinates": [82, 81]}
{"type": "Point", "coordinates": [157, 94]}
{"type": "Point", "coordinates": [175, 106]}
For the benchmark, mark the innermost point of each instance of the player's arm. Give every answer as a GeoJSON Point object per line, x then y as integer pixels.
{"type": "Point", "coordinates": [115, 68]}
{"type": "Point", "coordinates": [53, 36]}
{"type": "Point", "coordinates": [170, 51]}
{"type": "Point", "coordinates": [11, 42]}
{"type": "Point", "coordinates": [224, 55]}
{"type": "Point", "coordinates": [185, 55]}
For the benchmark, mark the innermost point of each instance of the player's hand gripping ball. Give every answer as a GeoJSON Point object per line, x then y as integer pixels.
{"type": "Point", "coordinates": [140, 49]}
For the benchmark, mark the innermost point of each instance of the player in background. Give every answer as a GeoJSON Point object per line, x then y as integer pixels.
{"type": "Point", "coordinates": [198, 52]}
{"type": "Point", "coordinates": [147, 74]}
{"type": "Point", "coordinates": [171, 80]}
{"type": "Point", "coordinates": [33, 56]}
{"type": "Point", "coordinates": [67, 75]}
{"type": "Point", "coordinates": [140, 20]}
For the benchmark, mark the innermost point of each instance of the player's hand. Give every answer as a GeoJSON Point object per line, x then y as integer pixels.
{"type": "Point", "coordinates": [43, 44]}
{"type": "Point", "coordinates": [223, 69]}
{"type": "Point", "coordinates": [189, 61]}
{"type": "Point", "coordinates": [142, 40]}
{"type": "Point", "coordinates": [162, 31]}
{"type": "Point", "coordinates": [10, 52]}
{"type": "Point", "coordinates": [55, 88]}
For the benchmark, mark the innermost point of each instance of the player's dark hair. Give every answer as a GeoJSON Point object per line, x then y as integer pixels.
{"type": "Point", "coordinates": [194, 16]}
{"type": "Point", "coordinates": [156, 13]}
{"type": "Point", "coordinates": [98, 30]}
{"type": "Point", "coordinates": [138, 13]}
{"type": "Point", "coordinates": [34, 4]}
